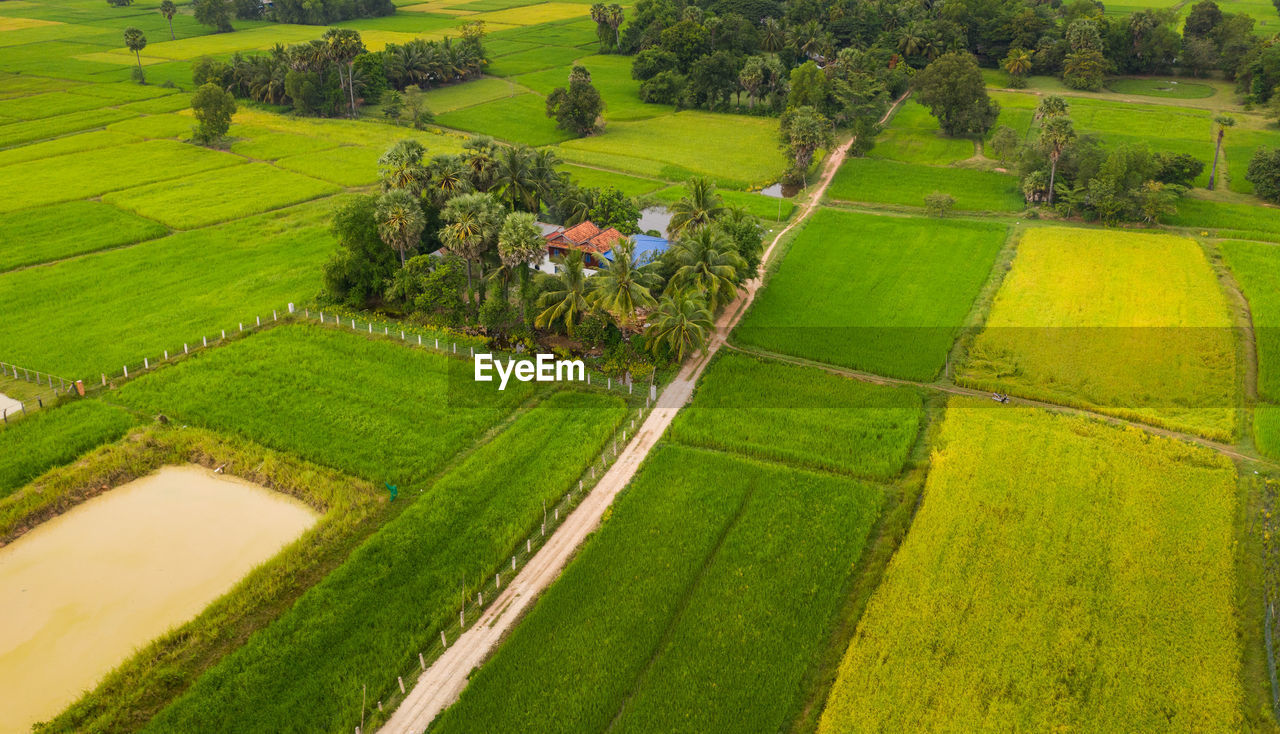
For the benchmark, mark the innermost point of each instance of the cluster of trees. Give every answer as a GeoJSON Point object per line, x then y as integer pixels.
{"type": "Point", "coordinates": [1078, 176]}
{"type": "Point", "coordinates": [608, 20]}
{"type": "Point", "coordinates": [217, 14]}
{"type": "Point", "coordinates": [576, 108]}
{"type": "Point", "coordinates": [335, 74]}
{"type": "Point", "coordinates": [454, 240]}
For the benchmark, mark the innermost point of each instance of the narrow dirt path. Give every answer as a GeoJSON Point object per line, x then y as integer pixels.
{"type": "Point", "coordinates": [443, 682]}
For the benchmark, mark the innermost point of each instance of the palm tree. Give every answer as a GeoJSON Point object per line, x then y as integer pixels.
{"type": "Point", "coordinates": [707, 262]}
{"type": "Point", "coordinates": [680, 325]}
{"type": "Point", "coordinates": [1049, 108]}
{"type": "Point", "coordinates": [401, 167]}
{"type": "Point", "coordinates": [447, 177]}
{"type": "Point", "coordinates": [576, 203]}
{"type": "Point", "coordinates": [473, 222]}
{"type": "Point", "coordinates": [614, 16]}
{"type": "Point", "coordinates": [1018, 62]}
{"type": "Point", "coordinates": [400, 220]}
{"type": "Point", "coordinates": [480, 155]}
{"type": "Point", "coordinates": [135, 41]}
{"type": "Point", "coordinates": [752, 78]}
{"type": "Point", "coordinates": [773, 37]}
{"type": "Point", "coordinates": [515, 176]}
{"type": "Point", "coordinates": [1222, 122]}
{"type": "Point", "coordinates": [168, 10]}
{"type": "Point", "coordinates": [564, 298]}
{"type": "Point", "coordinates": [623, 288]}
{"type": "Point", "coordinates": [1055, 136]}
{"type": "Point", "coordinates": [520, 244]}
{"type": "Point", "coordinates": [344, 46]}
{"type": "Point", "coordinates": [548, 180]}
{"type": "Point", "coordinates": [600, 16]}
{"type": "Point", "coordinates": [700, 205]}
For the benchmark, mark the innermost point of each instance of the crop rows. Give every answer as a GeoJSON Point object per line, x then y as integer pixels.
{"type": "Point", "coordinates": [51, 438]}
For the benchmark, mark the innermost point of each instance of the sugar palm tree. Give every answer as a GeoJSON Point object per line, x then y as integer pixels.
{"type": "Point", "coordinates": [680, 325]}
{"type": "Point", "coordinates": [168, 10]}
{"type": "Point", "coordinates": [447, 177]}
{"type": "Point", "coordinates": [564, 298]}
{"type": "Point", "coordinates": [473, 223]}
{"type": "Point", "coordinates": [520, 245]}
{"type": "Point", "coordinates": [135, 41]}
{"type": "Point", "coordinates": [622, 288]}
{"type": "Point", "coordinates": [700, 205]}
{"type": "Point", "coordinates": [600, 15]}
{"type": "Point", "coordinates": [401, 167]}
{"type": "Point", "coordinates": [400, 220]}
{"type": "Point", "coordinates": [707, 263]}
{"type": "Point", "coordinates": [344, 46]}
{"type": "Point", "coordinates": [1222, 122]}
{"type": "Point", "coordinates": [614, 17]}
{"type": "Point", "coordinates": [1055, 136]}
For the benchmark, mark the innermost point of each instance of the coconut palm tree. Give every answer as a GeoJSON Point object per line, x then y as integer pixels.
{"type": "Point", "coordinates": [447, 177]}
{"type": "Point", "coordinates": [135, 41]}
{"type": "Point", "coordinates": [622, 288]}
{"type": "Point", "coordinates": [564, 298]}
{"type": "Point", "coordinates": [576, 203]}
{"type": "Point", "coordinates": [700, 205]}
{"type": "Point", "coordinates": [706, 262]}
{"type": "Point", "coordinates": [401, 167]}
{"type": "Point", "coordinates": [549, 180]}
{"type": "Point", "coordinates": [1018, 62]}
{"type": "Point", "coordinates": [680, 325]}
{"type": "Point", "coordinates": [520, 245]}
{"type": "Point", "coordinates": [517, 178]}
{"type": "Point", "coordinates": [1055, 136]}
{"type": "Point", "coordinates": [400, 220]}
{"type": "Point", "coordinates": [773, 36]}
{"type": "Point", "coordinates": [168, 10]}
{"type": "Point", "coordinates": [481, 156]}
{"type": "Point", "coordinates": [1222, 122]}
{"type": "Point", "coordinates": [473, 222]}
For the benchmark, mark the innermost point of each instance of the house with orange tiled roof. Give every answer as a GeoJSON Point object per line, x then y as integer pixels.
{"type": "Point", "coordinates": [594, 243]}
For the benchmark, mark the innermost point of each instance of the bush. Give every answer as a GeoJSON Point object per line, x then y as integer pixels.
{"type": "Point", "coordinates": [1264, 173]}
{"type": "Point", "coordinates": [664, 88]}
{"type": "Point", "coordinates": [213, 107]}
{"type": "Point", "coordinates": [939, 203]}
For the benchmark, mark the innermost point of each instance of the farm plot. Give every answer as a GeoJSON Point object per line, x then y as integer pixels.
{"type": "Point", "coordinates": [367, 620]}
{"type": "Point", "coordinates": [768, 208]}
{"type": "Point", "coordinates": [679, 614]}
{"type": "Point", "coordinates": [913, 136]}
{"type": "Point", "coordinates": [118, 306]}
{"type": "Point", "coordinates": [597, 178]}
{"type": "Point", "coordinates": [1256, 267]}
{"type": "Point", "coordinates": [267, 145]}
{"type": "Point", "coordinates": [1227, 220]}
{"type": "Point", "coordinates": [610, 74]}
{"type": "Point", "coordinates": [52, 438]}
{"type": "Point", "coordinates": [156, 126]}
{"type": "Point", "coordinates": [50, 104]}
{"type": "Point", "coordinates": [80, 175]}
{"type": "Point", "coordinates": [17, 133]}
{"type": "Point", "coordinates": [907, 184]}
{"type": "Point", "coordinates": [1129, 324]}
{"type": "Point", "coordinates": [532, 14]}
{"type": "Point", "coordinates": [737, 151]}
{"type": "Point", "coordinates": [254, 388]}
{"type": "Point", "coordinates": [63, 230]}
{"type": "Point", "coordinates": [1060, 574]}
{"type": "Point", "coordinates": [801, 416]}
{"type": "Point", "coordinates": [874, 293]}
{"type": "Point", "coordinates": [534, 59]}
{"type": "Point", "coordinates": [347, 165]}
{"type": "Point", "coordinates": [220, 195]}
{"type": "Point", "coordinates": [519, 119]}
{"type": "Point", "coordinates": [469, 94]}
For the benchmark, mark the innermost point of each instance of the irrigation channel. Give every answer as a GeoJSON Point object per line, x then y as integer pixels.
{"type": "Point", "coordinates": [442, 683]}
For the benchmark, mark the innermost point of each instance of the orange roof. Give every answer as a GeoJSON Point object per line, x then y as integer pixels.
{"type": "Point", "coordinates": [582, 233]}
{"type": "Point", "coordinates": [586, 237]}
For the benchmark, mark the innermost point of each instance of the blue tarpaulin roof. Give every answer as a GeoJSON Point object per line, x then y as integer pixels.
{"type": "Point", "coordinates": [647, 247]}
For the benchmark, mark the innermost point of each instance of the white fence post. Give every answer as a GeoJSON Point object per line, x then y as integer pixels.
{"type": "Point", "coordinates": [126, 370]}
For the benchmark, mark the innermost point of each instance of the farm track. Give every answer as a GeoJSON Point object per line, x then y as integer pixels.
{"type": "Point", "coordinates": [443, 682]}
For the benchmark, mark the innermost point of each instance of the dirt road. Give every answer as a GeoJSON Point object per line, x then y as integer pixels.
{"type": "Point", "coordinates": [442, 683]}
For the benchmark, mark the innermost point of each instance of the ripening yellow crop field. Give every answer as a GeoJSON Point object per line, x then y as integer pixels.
{"type": "Point", "coordinates": [1061, 575]}
{"type": "Point", "coordinates": [1125, 323]}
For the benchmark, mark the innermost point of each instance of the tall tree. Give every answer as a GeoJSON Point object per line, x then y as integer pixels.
{"type": "Point", "coordinates": [954, 91]}
{"type": "Point", "coordinates": [517, 178]}
{"type": "Point", "coordinates": [344, 46]}
{"type": "Point", "coordinates": [577, 107]}
{"type": "Point", "coordinates": [212, 107]}
{"type": "Point", "coordinates": [401, 167]}
{"type": "Point", "coordinates": [214, 13]}
{"type": "Point", "coordinates": [802, 131]}
{"type": "Point", "coordinates": [473, 223]}
{"type": "Point", "coordinates": [699, 206]}
{"type": "Point", "coordinates": [603, 33]}
{"type": "Point", "coordinates": [400, 221]}
{"type": "Point", "coordinates": [1017, 64]}
{"type": "Point", "coordinates": [614, 17]}
{"type": "Point", "coordinates": [707, 262]}
{"type": "Point", "coordinates": [136, 41]}
{"type": "Point", "coordinates": [521, 245]}
{"type": "Point", "coordinates": [680, 325]}
{"type": "Point", "coordinates": [1222, 122]}
{"type": "Point", "coordinates": [168, 10]}
{"type": "Point", "coordinates": [564, 295]}
{"type": "Point", "coordinates": [1055, 135]}
{"type": "Point", "coordinates": [622, 288]}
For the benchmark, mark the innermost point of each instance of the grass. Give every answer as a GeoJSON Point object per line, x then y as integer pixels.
{"type": "Point", "coordinates": [906, 184]}
{"type": "Point", "coordinates": [737, 151]}
{"type": "Point", "coordinates": [118, 306]}
{"type": "Point", "coordinates": [64, 230]}
{"type": "Point", "coordinates": [519, 119]}
{"type": "Point", "coordinates": [1173, 89]}
{"type": "Point", "coordinates": [356, 382]}
{"type": "Point", "coordinates": [156, 126]}
{"type": "Point", "coordinates": [218, 196]}
{"type": "Point", "coordinates": [470, 94]}
{"type": "Point", "coordinates": [598, 178]}
{"type": "Point", "coordinates": [1126, 323]}
{"type": "Point", "coordinates": [267, 145]}
{"type": "Point", "coordinates": [801, 416]}
{"type": "Point", "coordinates": [1266, 429]}
{"type": "Point", "coordinates": [535, 59]}
{"type": "Point", "coordinates": [346, 165]}
{"type": "Point", "coordinates": [768, 208]}
{"type": "Point", "coordinates": [17, 133]}
{"type": "Point", "coordinates": [913, 136]}
{"type": "Point", "coordinates": [682, 614]}
{"type": "Point", "coordinates": [610, 74]}
{"type": "Point", "coordinates": [1061, 574]}
{"type": "Point", "coordinates": [96, 172]}
{"type": "Point", "coordinates": [50, 104]}
{"type": "Point", "coordinates": [876, 293]}
{"type": "Point", "coordinates": [1227, 220]}
{"type": "Point", "coordinates": [368, 618]}
{"type": "Point", "coordinates": [1256, 266]}
{"type": "Point", "coordinates": [54, 437]}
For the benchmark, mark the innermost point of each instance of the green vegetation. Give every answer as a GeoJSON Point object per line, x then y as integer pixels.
{"type": "Point", "coordinates": [1175, 89]}
{"type": "Point", "coordinates": [63, 230]}
{"type": "Point", "coordinates": [801, 416]}
{"type": "Point", "coordinates": [1097, 582]}
{"type": "Point", "coordinates": [1130, 324]}
{"type": "Point", "coordinates": [307, 669]}
{"type": "Point", "coordinates": [1227, 220]}
{"type": "Point", "coordinates": [520, 119]}
{"type": "Point", "coordinates": [55, 437]}
{"type": "Point", "coordinates": [913, 136]}
{"type": "Point", "coordinates": [906, 184]}
{"type": "Point", "coordinates": [876, 293]}
{"type": "Point", "coordinates": [355, 382]}
{"type": "Point", "coordinates": [714, 642]}
{"type": "Point", "coordinates": [1256, 267]}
